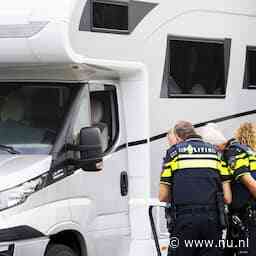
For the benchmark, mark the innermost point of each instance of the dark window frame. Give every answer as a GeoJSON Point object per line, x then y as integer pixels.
{"type": "Point", "coordinates": [166, 76]}
{"type": "Point", "coordinates": [111, 94]}
{"type": "Point", "coordinates": [247, 70]}
{"type": "Point", "coordinates": [107, 30]}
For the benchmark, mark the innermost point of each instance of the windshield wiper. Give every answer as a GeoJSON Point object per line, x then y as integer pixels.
{"type": "Point", "coordinates": [9, 149]}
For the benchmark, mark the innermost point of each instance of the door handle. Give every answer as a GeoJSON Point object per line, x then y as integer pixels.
{"type": "Point", "coordinates": [124, 183]}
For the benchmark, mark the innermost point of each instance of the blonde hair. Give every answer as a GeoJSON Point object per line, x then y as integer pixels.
{"type": "Point", "coordinates": [170, 131]}
{"type": "Point", "coordinates": [246, 134]}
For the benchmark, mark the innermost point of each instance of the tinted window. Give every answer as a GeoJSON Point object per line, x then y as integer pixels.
{"type": "Point", "coordinates": [31, 116]}
{"type": "Point", "coordinates": [110, 16]}
{"type": "Point", "coordinates": [104, 114]}
{"type": "Point", "coordinates": [250, 69]}
{"type": "Point", "coordinates": [195, 68]}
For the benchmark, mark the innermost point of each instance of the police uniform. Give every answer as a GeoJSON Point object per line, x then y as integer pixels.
{"type": "Point", "coordinates": [241, 161]}
{"type": "Point", "coordinates": [195, 172]}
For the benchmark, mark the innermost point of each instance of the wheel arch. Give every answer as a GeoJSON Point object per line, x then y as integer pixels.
{"type": "Point", "coordinates": [71, 238]}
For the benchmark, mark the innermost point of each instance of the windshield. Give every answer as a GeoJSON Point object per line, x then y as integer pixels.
{"type": "Point", "coordinates": [31, 116]}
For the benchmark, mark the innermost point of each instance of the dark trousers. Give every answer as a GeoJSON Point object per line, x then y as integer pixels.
{"type": "Point", "coordinates": [196, 227]}
{"type": "Point", "coordinates": [252, 240]}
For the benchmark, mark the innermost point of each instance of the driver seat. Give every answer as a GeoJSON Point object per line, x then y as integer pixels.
{"type": "Point", "coordinates": [97, 113]}
{"type": "Point", "coordinates": [13, 108]}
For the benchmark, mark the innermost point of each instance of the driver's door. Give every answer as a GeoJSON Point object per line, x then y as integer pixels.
{"type": "Point", "coordinates": [108, 189]}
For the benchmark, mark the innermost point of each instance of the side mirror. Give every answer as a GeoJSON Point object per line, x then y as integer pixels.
{"type": "Point", "coordinates": [91, 149]}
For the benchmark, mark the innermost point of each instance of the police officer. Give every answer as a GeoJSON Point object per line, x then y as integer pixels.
{"type": "Point", "coordinates": [192, 181]}
{"type": "Point", "coordinates": [242, 162]}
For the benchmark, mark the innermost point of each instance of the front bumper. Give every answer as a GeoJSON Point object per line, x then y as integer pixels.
{"type": "Point", "coordinates": [22, 241]}
{"type": "Point", "coordinates": [34, 247]}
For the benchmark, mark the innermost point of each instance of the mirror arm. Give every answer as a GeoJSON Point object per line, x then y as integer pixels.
{"type": "Point", "coordinates": [81, 163]}
{"type": "Point", "coordinates": [73, 147]}
{"type": "Point", "coordinates": [76, 163]}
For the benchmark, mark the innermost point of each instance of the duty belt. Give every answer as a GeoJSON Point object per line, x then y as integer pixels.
{"type": "Point", "coordinates": [195, 209]}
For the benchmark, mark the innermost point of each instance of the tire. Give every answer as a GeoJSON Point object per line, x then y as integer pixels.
{"type": "Point", "coordinates": [59, 250]}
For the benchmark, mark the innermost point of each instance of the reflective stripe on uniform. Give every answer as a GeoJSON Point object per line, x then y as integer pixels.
{"type": "Point", "coordinates": [197, 163]}
{"type": "Point", "coordinates": [200, 156]}
{"type": "Point", "coordinates": [165, 183]}
{"type": "Point", "coordinates": [241, 163]}
{"type": "Point", "coordinates": [253, 165]}
{"type": "Point", "coordinates": [252, 157]}
{"type": "Point", "coordinates": [252, 161]}
{"type": "Point", "coordinates": [223, 168]}
{"type": "Point", "coordinates": [171, 162]}
{"type": "Point", "coordinates": [243, 155]}
{"type": "Point", "coordinates": [241, 174]}
{"type": "Point", "coordinates": [173, 165]}
{"type": "Point", "coordinates": [188, 161]}
{"type": "Point", "coordinates": [231, 171]}
{"type": "Point", "coordinates": [166, 173]}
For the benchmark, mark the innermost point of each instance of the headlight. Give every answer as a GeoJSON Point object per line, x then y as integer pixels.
{"type": "Point", "coordinates": [19, 194]}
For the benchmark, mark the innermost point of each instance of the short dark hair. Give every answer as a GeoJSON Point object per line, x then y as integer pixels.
{"type": "Point", "coordinates": [184, 130]}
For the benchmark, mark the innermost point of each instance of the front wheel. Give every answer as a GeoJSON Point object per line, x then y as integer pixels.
{"type": "Point", "coordinates": [59, 250]}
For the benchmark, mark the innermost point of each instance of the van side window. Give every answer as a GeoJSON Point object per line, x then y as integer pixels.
{"type": "Point", "coordinates": [104, 115]}
{"type": "Point", "coordinates": [195, 68]}
{"type": "Point", "coordinates": [250, 66]}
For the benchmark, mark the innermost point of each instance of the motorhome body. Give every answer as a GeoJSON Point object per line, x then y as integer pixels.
{"type": "Point", "coordinates": [76, 70]}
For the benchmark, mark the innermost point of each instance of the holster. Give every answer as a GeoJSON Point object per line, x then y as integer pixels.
{"type": "Point", "coordinates": [221, 210]}
{"type": "Point", "coordinates": [251, 216]}
{"type": "Point", "coordinates": [237, 226]}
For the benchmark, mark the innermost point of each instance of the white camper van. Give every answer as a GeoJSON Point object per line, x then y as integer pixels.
{"type": "Point", "coordinates": [78, 77]}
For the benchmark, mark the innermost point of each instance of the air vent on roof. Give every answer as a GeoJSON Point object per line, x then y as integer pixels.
{"type": "Point", "coordinates": [110, 16]}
